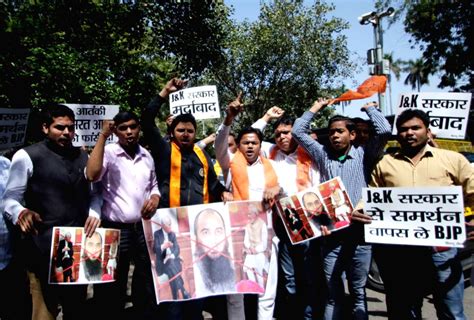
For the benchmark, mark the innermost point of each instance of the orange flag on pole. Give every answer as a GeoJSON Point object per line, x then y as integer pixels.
{"type": "Point", "coordinates": [371, 86]}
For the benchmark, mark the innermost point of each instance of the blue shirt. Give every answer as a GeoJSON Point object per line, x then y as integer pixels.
{"type": "Point", "coordinates": [356, 167]}
{"type": "Point", "coordinates": [5, 248]}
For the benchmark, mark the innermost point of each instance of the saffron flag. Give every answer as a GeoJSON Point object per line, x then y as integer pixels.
{"type": "Point", "coordinates": [371, 86]}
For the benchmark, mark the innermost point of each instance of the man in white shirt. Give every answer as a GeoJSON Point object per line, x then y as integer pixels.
{"type": "Point", "coordinates": [296, 172]}
{"type": "Point", "coordinates": [253, 177]}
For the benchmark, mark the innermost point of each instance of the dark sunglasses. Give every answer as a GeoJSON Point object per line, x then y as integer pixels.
{"type": "Point", "coordinates": [125, 127]}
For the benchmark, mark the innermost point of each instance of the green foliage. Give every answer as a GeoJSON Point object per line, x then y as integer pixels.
{"type": "Point", "coordinates": [190, 31]}
{"type": "Point", "coordinates": [443, 29]}
{"type": "Point", "coordinates": [290, 56]}
{"type": "Point", "coordinates": [418, 73]}
{"type": "Point", "coordinates": [107, 52]}
{"type": "Point", "coordinates": [101, 51]}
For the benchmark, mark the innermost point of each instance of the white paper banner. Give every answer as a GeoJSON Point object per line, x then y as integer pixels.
{"type": "Point", "coordinates": [89, 118]}
{"type": "Point", "coordinates": [448, 111]}
{"type": "Point", "coordinates": [201, 102]}
{"type": "Point", "coordinates": [431, 216]}
{"type": "Point", "coordinates": [13, 123]}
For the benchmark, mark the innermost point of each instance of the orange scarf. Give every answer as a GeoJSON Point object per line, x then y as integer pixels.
{"type": "Point", "coordinates": [303, 166]}
{"type": "Point", "coordinates": [240, 179]}
{"type": "Point", "coordinates": [175, 175]}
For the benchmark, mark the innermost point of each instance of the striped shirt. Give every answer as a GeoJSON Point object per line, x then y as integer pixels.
{"type": "Point", "coordinates": [355, 169]}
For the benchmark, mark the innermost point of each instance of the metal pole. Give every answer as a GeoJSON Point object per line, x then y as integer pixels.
{"type": "Point", "coordinates": [378, 34]}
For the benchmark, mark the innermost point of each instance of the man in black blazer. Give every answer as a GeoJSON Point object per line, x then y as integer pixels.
{"type": "Point", "coordinates": [167, 257]}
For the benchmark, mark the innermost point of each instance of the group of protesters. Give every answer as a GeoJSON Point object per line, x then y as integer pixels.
{"type": "Point", "coordinates": [52, 183]}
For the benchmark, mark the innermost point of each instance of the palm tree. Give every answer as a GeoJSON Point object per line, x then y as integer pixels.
{"type": "Point", "coordinates": [395, 69]}
{"type": "Point", "coordinates": [418, 73]}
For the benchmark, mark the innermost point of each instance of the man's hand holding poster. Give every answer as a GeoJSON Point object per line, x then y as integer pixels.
{"type": "Point", "coordinates": [78, 259]}
{"type": "Point", "coordinates": [326, 205]}
{"type": "Point", "coordinates": [431, 216]}
{"type": "Point", "coordinates": [205, 250]}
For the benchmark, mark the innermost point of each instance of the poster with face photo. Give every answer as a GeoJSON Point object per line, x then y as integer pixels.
{"type": "Point", "coordinates": [213, 249]}
{"type": "Point", "coordinates": [307, 213]}
{"type": "Point", "coordinates": [78, 259]}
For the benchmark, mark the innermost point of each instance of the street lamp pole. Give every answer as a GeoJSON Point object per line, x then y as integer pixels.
{"type": "Point", "coordinates": [375, 56]}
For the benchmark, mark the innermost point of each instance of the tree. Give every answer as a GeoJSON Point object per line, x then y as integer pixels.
{"type": "Point", "coordinates": [417, 73]}
{"type": "Point", "coordinates": [444, 32]}
{"type": "Point", "coordinates": [290, 56]}
{"type": "Point", "coordinates": [107, 52]}
{"type": "Point", "coordinates": [395, 69]}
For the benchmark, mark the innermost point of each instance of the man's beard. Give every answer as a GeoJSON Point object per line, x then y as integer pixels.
{"type": "Point", "coordinates": [93, 270]}
{"type": "Point", "coordinates": [217, 273]}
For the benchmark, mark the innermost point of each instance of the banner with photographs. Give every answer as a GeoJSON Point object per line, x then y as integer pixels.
{"type": "Point", "coordinates": [13, 123]}
{"type": "Point", "coordinates": [303, 214]}
{"type": "Point", "coordinates": [202, 102]}
{"type": "Point", "coordinates": [77, 259]}
{"type": "Point", "coordinates": [205, 250]}
{"type": "Point", "coordinates": [88, 125]}
{"type": "Point", "coordinates": [431, 216]}
{"type": "Point", "coordinates": [448, 111]}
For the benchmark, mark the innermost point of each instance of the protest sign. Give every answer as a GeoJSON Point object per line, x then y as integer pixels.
{"type": "Point", "coordinates": [88, 124]}
{"type": "Point", "coordinates": [448, 111]}
{"type": "Point", "coordinates": [202, 102]}
{"type": "Point", "coordinates": [304, 213]}
{"type": "Point", "coordinates": [13, 123]}
{"type": "Point", "coordinates": [430, 216]}
{"type": "Point", "coordinates": [77, 259]}
{"type": "Point", "coordinates": [213, 249]}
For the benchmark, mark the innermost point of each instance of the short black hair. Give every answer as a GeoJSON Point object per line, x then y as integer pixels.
{"type": "Point", "coordinates": [250, 130]}
{"type": "Point", "coordinates": [185, 118]}
{"type": "Point", "coordinates": [410, 114]}
{"type": "Point", "coordinates": [125, 116]}
{"type": "Point", "coordinates": [56, 110]}
{"type": "Point", "coordinates": [350, 125]}
{"type": "Point", "coordinates": [358, 120]}
{"type": "Point", "coordinates": [285, 120]}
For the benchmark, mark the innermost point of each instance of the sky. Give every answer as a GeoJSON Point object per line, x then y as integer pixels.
{"type": "Point", "coordinates": [360, 38]}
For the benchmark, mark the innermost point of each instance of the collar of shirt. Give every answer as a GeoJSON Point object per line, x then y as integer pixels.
{"type": "Point", "coordinates": [118, 150]}
{"type": "Point", "coordinates": [427, 152]}
{"type": "Point", "coordinates": [350, 155]}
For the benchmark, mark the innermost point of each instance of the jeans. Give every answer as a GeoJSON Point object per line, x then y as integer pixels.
{"type": "Point", "coordinates": [357, 272]}
{"type": "Point", "coordinates": [448, 292]}
{"type": "Point", "coordinates": [333, 264]}
{"type": "Point", "coordinates": [113, 295]}
{"type": "Point", "coordinates": [355, 260]}
{"type": "Point", "coordinates": [409, 272]}
{"type": "Point", "coordinates": [300, 278]}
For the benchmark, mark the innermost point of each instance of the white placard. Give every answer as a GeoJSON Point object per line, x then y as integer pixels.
{"type": "Point", "coordinates": [13, 123]}
{"type": "Point", "coordinates": [202, 102]}
{"type": "Point", "coordinates": [89, 118]}
{"type": "Point", "coordinates": [448, 111]}
{"type": "Point", "coordinates": [431, 216]}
